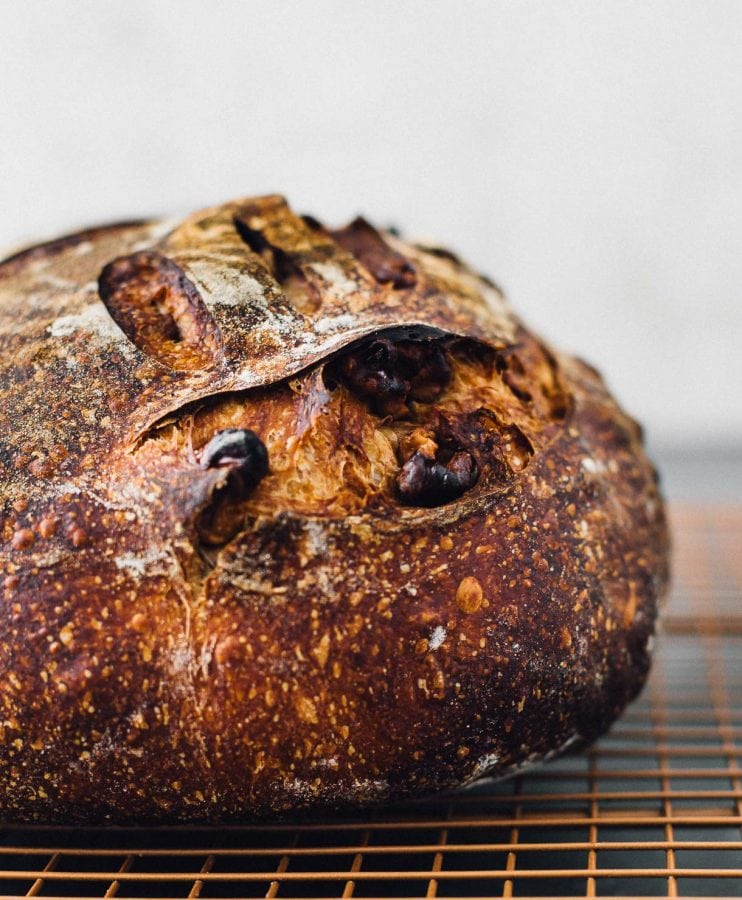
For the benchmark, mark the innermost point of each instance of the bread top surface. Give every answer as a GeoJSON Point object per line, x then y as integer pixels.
{"type": "Point", "coordinates": [127, 348]}
{"type": "Point", "coordinates": [246, 294]}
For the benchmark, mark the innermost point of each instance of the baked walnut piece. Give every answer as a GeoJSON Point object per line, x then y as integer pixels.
{"type": "Point", "coordinates": [293, 519]}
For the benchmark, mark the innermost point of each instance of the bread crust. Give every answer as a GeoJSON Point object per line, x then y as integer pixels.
{"type": "Point", "coordinates": [320, 656]}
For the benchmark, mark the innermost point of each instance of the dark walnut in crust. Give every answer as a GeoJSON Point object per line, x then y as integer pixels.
{"type": "Point", "coordinates": [292, 519]}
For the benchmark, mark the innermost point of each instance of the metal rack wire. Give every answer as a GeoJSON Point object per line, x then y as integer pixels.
{"type": "Point", "coordinates": [654, 809]}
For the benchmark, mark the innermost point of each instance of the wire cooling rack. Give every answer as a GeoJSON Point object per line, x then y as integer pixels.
{"type": "Point", "coordinates": [654, 809]}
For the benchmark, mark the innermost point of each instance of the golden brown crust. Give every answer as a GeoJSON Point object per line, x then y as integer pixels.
{"type": "Point", "coordinates": [179, 643]}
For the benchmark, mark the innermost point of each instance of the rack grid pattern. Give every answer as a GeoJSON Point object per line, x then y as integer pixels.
{"type": "Point", "coordinates": [654, 809]}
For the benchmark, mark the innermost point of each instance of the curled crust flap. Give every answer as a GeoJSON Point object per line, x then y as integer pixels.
{"type": "Point", "coordinates": [134, 321]}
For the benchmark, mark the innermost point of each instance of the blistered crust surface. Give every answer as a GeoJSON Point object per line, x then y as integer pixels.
{"type": "Point", "coordinates": [335, 643]}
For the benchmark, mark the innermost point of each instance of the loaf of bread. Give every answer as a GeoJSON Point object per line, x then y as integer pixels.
{"type": "Point", "coordinates": [293, 519]}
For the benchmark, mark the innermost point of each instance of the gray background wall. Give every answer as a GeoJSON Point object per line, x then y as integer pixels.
{"type": "Point", "coordinates": [588, 155]}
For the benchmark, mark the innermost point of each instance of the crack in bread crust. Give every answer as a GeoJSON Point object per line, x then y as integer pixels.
{"type": "Point", "coordinates": [332, 454]}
